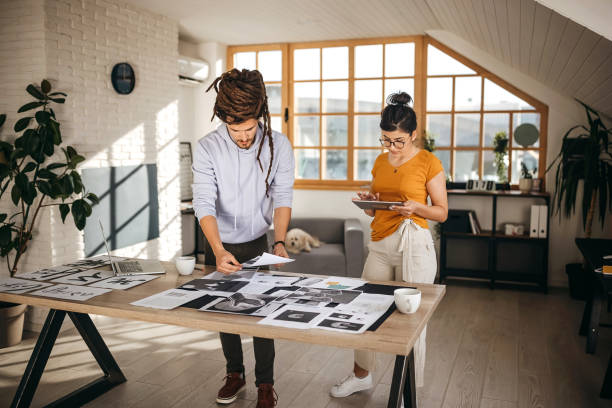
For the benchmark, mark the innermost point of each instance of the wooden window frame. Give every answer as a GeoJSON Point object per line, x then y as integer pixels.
{"type": "Point", "coordinates": [421, 43]}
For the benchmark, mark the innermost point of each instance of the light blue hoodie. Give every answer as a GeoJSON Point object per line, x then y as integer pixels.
{"type": "Point", "coordinates": [229, 184]}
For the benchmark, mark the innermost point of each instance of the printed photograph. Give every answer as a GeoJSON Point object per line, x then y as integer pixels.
{"type": "Point", "coordinates": [324, 295]}
{"type": "Point", "coordinates": [213, 285]}
{"type": "Point", "coordinates": [342, 316]}
{"type": "Point", "coordinates": [298, 316]}
{"type": "Point", "coordinates": [339, 325]}
{"type": "Point", "coordinates": [240, 303]}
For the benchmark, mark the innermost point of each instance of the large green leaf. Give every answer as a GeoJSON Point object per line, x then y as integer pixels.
{"type": "Point", "coordinates": [45, 187]}
{"type": "Point", "coordinates": [78, 183]}
{"type": "Point", "coordinates": [78, 214]}
{"type": "Point", "coordinates": [5, 235]}
{"type": "Point", "coordinates": [58, 100]}
{"type": "Point", "coordinates": [57, 93]}
{"type": "Point", "coordinates": [2, 119]}
{"type": "Point", "coordinates": [32, 90]}
{"type": "Point", "coordinates": [15, 194]}
{"type": "Point", "coordinates": [54, 166]}
{"type": "Point", "coordinates": [93, 198]}
{"type": "Point", "coordinates": [22, 124]}
{"type": "Point", "coordinates": [30, 106]}
{"type": "Point", "coordinates": [64, 210]}
{"type": "Point", "coordinates": [45, 86]}
{"type": "Point", "coordinates": [29, 167]}
{"type": "Point", "coordinates": [42, 117]}
{"type": "Point", "coordinates": [3, 217]}
{"type": "Point", "coordinates": [57, 134]}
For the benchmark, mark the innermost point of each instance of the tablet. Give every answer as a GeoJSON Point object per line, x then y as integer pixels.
{"type": "Point", "coordinates": [375, 205]}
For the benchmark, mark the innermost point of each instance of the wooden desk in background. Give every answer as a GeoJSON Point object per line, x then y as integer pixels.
{"type": "Point", "coordinates": [396, 335]}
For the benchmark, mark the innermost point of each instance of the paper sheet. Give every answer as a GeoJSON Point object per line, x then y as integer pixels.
{"type": "Point", "coordinates": [124, 282]}
{"type": "Point", "coordinates": [50, 273]}
{"type": "Point", "coordinates": [274, 280]}
{"type": "Point", "coordinates": [168, 299]}
{"type": "Point", "coordinates": [334, 282]}
{"type": "Point", "coordinates": [243, 303]}
{"type": "Point", "coordinates": [83, 278]}
{"type": "Point", "coordinates": [18, 286]}
{"type": "Point", "coordinates": [70, 292]}
{"type": "Point", "coordinates": [295, 317]}
{"type": "Point", "coordinates": [240, 275]}
{"type": "Point", "coordinates": [266, 259]}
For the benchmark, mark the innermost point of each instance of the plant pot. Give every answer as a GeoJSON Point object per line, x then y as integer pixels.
{"type": "Point", "coordinates": [525, 185]}
{"type": "Point", "coordinates": [11, 323]}
{"type": "Point", "coordinates": [578, 281]}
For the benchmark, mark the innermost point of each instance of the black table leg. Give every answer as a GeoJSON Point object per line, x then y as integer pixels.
{"type": "Point", "coordinates": [29, 382]}
{"type": "Point", "coordinates": [593, 322]}
{"type": "Point", "coordinates": [403, 384]}
{"type": "Point", "coordinates": [606, 388]}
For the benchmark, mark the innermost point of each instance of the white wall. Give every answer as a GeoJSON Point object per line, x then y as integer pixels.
{"type": "Point", "coordinates": [75, 44]}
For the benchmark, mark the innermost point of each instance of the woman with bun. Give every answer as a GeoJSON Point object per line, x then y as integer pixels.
{"type": "Point", "coordinates": [401, 245]}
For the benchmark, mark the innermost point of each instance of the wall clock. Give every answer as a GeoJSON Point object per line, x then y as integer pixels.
{"type": "Point", "coordinates": [123, 78]}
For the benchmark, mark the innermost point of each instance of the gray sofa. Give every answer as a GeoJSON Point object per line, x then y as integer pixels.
{"type": "Point", "coordinates": [341, 252]}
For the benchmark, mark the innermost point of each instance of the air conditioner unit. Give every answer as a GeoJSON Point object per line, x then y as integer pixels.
{"type": "Point", "coordinates": [192, 71]}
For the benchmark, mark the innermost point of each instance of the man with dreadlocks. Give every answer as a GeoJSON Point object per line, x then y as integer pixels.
{"type": "Point", "coordinates": [243, 174]}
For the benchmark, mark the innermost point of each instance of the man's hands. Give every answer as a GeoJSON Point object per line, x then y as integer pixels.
{"type": "Point", "coordinates": [370, 197]}
{"type": "Point", "coordinates": [226, 263]}
{"type": "Point", "coordinates": [280, 250]}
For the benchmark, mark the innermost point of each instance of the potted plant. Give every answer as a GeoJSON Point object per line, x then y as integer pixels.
{"type": "Point", "coordinates": [34, 183]}
{"type": "Point", "coordinates": [584, 157]}
{"type": "Point", "coordinates": [526, 180]}
{"type": "Point", "coordinates": [500, 148]}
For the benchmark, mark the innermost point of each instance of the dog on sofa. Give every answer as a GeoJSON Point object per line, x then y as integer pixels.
{"type": "Point", "coordinates": [298, 240]}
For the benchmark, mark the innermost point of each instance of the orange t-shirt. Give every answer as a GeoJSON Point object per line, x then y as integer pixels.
{"type": "Point", "coordinates": [406, 182]}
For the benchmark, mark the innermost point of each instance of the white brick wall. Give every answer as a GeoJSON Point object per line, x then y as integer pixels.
{"type": "Point", "coordinates": [75, 44]}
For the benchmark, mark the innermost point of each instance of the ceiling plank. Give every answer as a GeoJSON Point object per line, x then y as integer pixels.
{"type": "Point", "coordinates": [551, 46]}
{"type": "Point", "coordinates": [501, 16]}
{"type": "Point", "coordinates": [540, 27]}
{"type": "Point", "coordinates": [491, 21]}
{"type": "Point", "coordinates": [595, 80]}
{"type": "Point", "coordinates": [527, 19]}
{"type": "Point", "coordinates": [514, 24]}
{"type": "Point", "coordinates": [479, 15]}
{"type": "Point", "coordinates": [583, 50]}
{"type": "Point", "coordinates": [569, 41]}
{"type": "Point", "coordinates": [595, 60]}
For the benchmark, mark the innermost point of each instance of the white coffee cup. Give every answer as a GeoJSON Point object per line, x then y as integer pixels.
{"type": "Point", "coordinates": [185, 264]}
{"type": "Point", "coordinates": [407, 300]}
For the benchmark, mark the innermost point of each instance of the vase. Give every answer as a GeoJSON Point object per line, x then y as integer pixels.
{"type": "Point", "coordinates": [11, 323]}
{"type": "Point", "coordinates": [525, 185]}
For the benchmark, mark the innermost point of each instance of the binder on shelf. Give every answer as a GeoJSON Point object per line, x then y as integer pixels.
{"type": "Point", "coordinates": [534, 222]}
{"type": "Point", "coordinates": [543, 221]}
{"type": "Point", "coordinates": [457, 221]}
{"type": "Point", "coordinates": [474, 224]}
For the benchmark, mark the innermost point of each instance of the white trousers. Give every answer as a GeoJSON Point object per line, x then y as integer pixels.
{"type": "Point", "coordinates": [406, 255]}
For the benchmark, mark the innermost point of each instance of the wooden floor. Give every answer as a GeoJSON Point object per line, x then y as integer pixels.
{"type": "Point", "coordinates": [485, 348]}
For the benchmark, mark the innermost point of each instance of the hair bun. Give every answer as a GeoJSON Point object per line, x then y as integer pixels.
{"type": "Point", "coordinates": [399, 98]}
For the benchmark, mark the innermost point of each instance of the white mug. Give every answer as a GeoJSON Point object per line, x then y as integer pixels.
{"type": "Point", "coordinates": [407, 300]}
{"type": "Point", "coordinates": [185, 264]}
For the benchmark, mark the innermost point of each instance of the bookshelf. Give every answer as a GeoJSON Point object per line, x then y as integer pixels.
{"type": "Point", "coordinates": [498, 244]}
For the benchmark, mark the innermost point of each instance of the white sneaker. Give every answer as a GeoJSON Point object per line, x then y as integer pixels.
{"type": "Point", "coordinates": [351, 385]}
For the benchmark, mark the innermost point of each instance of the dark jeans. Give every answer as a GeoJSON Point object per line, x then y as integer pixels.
{"type": "Point", "coordinates": [232, 347]}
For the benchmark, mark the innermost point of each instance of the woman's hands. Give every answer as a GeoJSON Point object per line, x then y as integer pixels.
{"type": "Point", "coordinates": [366, 195]}
{"type": "Point", "coordinates": [407, 208]}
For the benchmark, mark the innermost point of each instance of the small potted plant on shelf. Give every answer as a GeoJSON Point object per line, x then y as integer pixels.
{"type": "Point", "coordinates": [500, 148]}
{"type": "Point", "coordinates": [585, 158]}
{"type": "Point", "coordinates": [526, 180]}
{"type": "Point", "coordinates": [33, 183]}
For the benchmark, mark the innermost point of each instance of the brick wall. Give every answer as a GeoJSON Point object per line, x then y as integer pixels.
{"type": "Point", "coordinates": [75, 44]}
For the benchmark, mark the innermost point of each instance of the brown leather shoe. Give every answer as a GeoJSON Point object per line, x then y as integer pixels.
{"type": "Point", "coordinates": [234, 383]}
{"type": "Point", "coordinates": [266, 396]}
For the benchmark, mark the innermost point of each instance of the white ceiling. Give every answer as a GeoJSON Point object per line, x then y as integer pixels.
{"type": "Point", "coordinates": [525, 34]}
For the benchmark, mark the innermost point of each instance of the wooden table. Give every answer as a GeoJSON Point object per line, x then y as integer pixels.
{"type": "Point", "coordinates": [593, 251]}
{"type": "Point", "coordinates": [396, 335]}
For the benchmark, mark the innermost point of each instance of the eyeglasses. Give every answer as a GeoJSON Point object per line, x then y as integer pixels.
{"type": "Point", "coordinates": [397, 143]}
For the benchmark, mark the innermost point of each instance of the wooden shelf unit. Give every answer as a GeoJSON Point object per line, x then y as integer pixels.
{"type": "Point", "coordinates": [494, 238]}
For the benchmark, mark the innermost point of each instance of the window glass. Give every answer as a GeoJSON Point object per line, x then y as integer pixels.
{"type": "Point", "coordinates": [306, 131]}
{"type": "Point", "coordinates": [306, 163]}
{"type": "Point", "coordinates": [368, 61]}
{"type": "Point", "coordinates": [335, 130]}
{"type": "Point", "coordinates": [533, 118]}
{"type": "Point", "coordinates": [439, 127]}
{"type": "Point", "coordinates": [439, 63]}
{"type": "Point", "coordinates": [335, 96]}
{"type": "Point", "coordinates": [274, 98]}
{"type": "Point", "coordinates": [335, 164]}
{"type": "Point", "coordinates": [497, 98]}
{"type": "Point", "coordinates": [399, 85]}
{"type": "Point", "coordinates": [271, 65]}
{"type": "Point", "coordinates": [439, 94]}
{"type": "Point", "coordinates": [307, 64]}
{"type": "Point", "coordinates": [467, 93]}
{"type": "Point", "coordinates": [367, 129]}
{"type": "Point", "coordinates": [244, 60]}
{"type": "Point", "coordinates": [399, 59]}
{"type": "Point", "coordinates": [467, 129]}
{"type": "Point", "coordinates": [368, 95]}
{"type": "Point", "coordinates": [306, 97]}
{"type": "Point", "coordinates": [364, 161]}
{"type": "Point", "coordinates": [466, 165]}
{"type": "Point", "coordinates": [531, 158]}
{"type": "Point", "coordinates": [335, 63]}
{"type": "Point", "coordinates": [444, 156]}
{"type": "Point", "coordinates": [493, 123]}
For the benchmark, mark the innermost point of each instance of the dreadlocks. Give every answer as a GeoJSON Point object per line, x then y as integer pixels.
{"type": "Point", "coordinates": [241, 95]}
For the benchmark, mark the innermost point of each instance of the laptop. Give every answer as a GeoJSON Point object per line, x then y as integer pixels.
{"type": "Point", "coordinates": [136, 267]}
